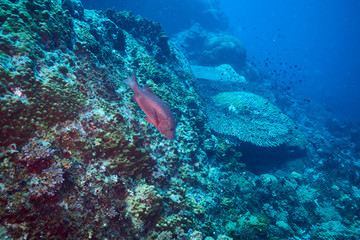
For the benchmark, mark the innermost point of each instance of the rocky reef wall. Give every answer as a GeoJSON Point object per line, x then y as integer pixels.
{"type": "Point", "coordinates": [79, 161]}
{"type": "Point", "coordinates": [77, 158]}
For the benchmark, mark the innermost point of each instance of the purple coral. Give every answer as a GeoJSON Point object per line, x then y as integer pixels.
{"type": "Point", "coordinates": [36, 150]}
{"type": "Point", "coordinates": [111, 212]}
{"type": "Point", "coordinates": [48, 182]}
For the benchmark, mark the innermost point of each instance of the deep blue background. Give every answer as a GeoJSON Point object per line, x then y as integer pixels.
{"type": "Point", "coordinates": [321, 37]}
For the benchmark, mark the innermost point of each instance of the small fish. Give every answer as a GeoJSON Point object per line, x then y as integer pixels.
{"type": "Point", "coordinates": [157, 112]}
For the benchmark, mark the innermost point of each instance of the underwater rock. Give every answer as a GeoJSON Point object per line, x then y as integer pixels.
{"type": "Point", "coordinates": [171, 14]}
{"type": "Point", "coordinates": [223, 49]}
{"type": "Point", "coordinates": [247, 225]}
{"type": "Point", "coordinates": [191, 41]}
{"type": "Point", "coordinates": [150, 34]}
{"type": "Point", "coordinates": [75, 7]}
{"type": "Point", "coordinates": [73, 145]}
{"type": "Point", "coordinates": [253, 119]}
{"type": "Point", "coordinates": [144, 205]}
{"type": "Point", "coordinates": [333, 230]}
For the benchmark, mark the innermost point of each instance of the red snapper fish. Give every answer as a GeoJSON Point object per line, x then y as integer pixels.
{"type": "Point", "coordinates": [157, 112]}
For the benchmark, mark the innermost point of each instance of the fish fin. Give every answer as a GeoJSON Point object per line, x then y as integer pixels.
{"type": "Point", "coordinates": [154, 120]}
{"type": "Point", "coordinates": [146, 88]}
{"type": "Point", "coordinates": [132, 81]}
{"type": "Point", "coordinates": [150, 121]}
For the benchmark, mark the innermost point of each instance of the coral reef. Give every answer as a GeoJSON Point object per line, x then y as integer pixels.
{"type": "Point", "coordinates": [254, 119]}
{"type": "Point", "coordinates": [191, 40]}
{"type": "Point", "coordinates": [73, 145]}
{"type": "Point", "coordinates": [79, 161]}
{"type": "Point", "coordinates": [220, 48]}
{"type": "Point", "coordinates": [144, 205]}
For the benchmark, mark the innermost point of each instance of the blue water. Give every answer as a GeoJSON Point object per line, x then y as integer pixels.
{"type": "Point", "coordinates": [315, 43]}
{"type": "Point", "coordinates": [320, 37]}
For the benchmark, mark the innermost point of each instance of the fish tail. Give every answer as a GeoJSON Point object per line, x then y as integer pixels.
{"type": "Point", "coordinates": [132, 82]}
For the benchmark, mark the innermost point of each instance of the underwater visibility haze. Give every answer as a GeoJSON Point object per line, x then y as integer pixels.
{"type": "Point", "coordinates": [321, 38]}
{"type": "Point", "coordinates": [181, 119]}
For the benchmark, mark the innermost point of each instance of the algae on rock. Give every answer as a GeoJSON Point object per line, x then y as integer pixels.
{"type": "Point", "coordinates": [60, 82]}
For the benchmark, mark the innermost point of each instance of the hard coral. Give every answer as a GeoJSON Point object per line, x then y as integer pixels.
{"type": "Point", "coordinates": [253, 119]}
{"type": "Point", "coordinates": [64, 111]}
{"type": "Point", "coordinates": [144, 205]}
{"type": "Point", "coordinates": [47, 182]}
{"type": "Point", "coordinates": [220, 48]}
{"type": "Point", "coordinates": [36, 150]}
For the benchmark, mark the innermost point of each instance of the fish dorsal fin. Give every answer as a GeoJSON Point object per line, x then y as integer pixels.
{"type": "Point", "coordinates": [146, 88]}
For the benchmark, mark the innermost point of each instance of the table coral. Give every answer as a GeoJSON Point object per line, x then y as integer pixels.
{"type": "Point", "coordinates": [253, 119]}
